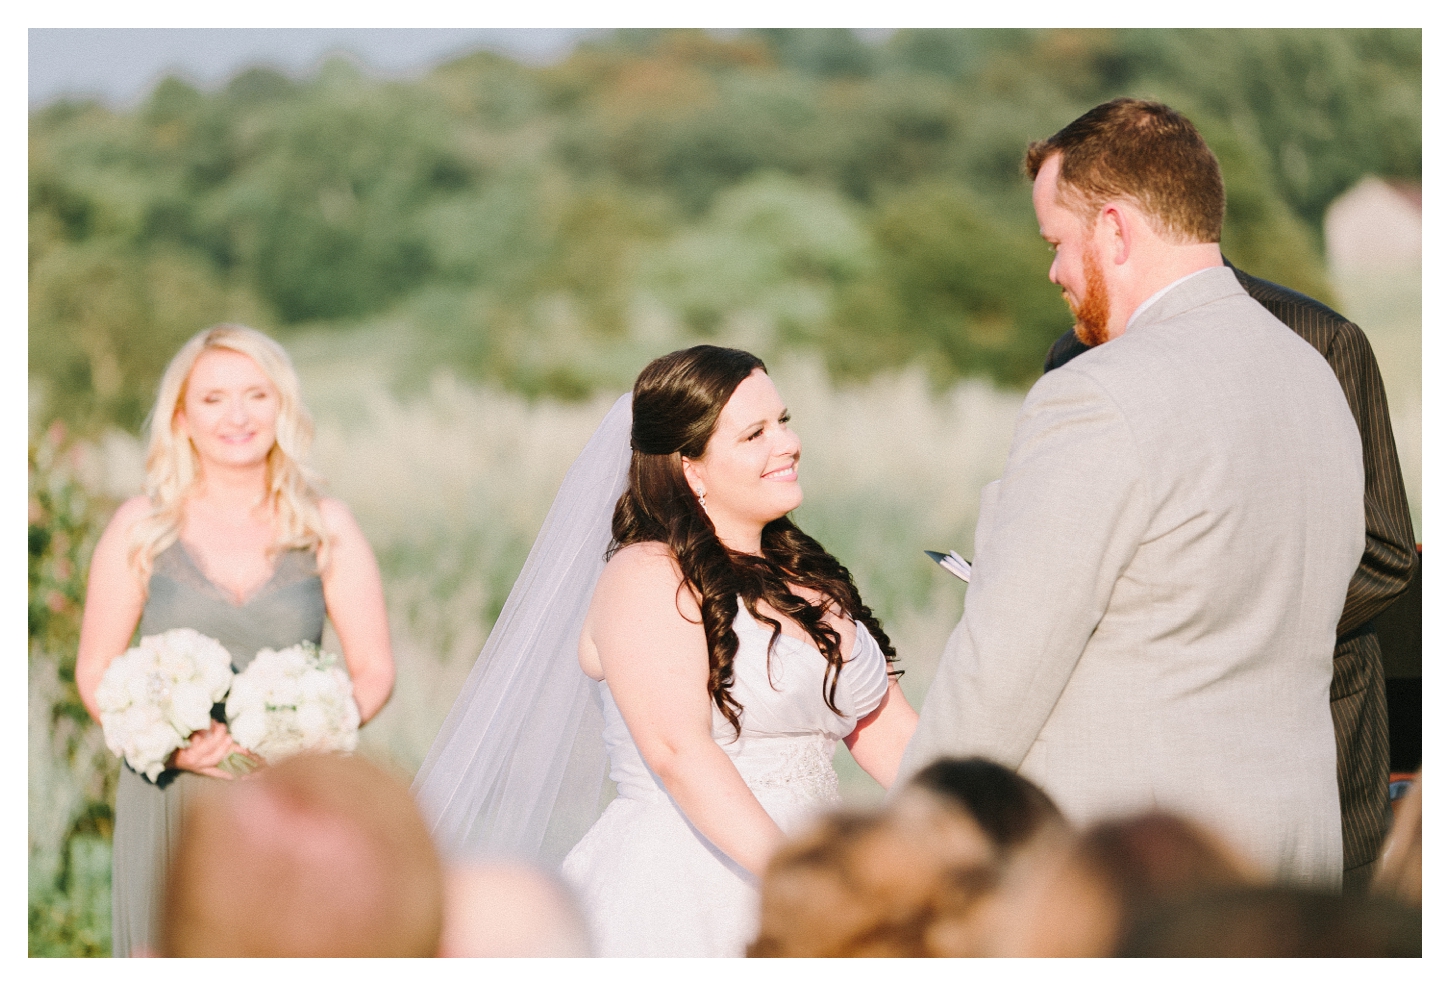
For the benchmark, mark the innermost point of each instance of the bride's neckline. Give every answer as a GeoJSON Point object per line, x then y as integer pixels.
{"type": "Point", "coordinates": [743, 614]}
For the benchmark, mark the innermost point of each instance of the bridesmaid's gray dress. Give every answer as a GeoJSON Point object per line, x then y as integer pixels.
{"type": "Point", "coordinates": [287, 610]}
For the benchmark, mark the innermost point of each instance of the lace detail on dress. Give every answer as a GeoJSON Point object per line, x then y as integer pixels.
{"type": "Point", "coordinates": [178, 564]}
{"type": "Point", "coordinates": [801, 763]}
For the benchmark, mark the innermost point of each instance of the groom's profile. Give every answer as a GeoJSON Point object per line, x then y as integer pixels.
{"type": "Point", "coordinates": [1159, 572]}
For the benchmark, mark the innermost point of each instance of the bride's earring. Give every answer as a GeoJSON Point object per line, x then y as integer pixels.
{"type": "Point", "coordinates": [700, 495]}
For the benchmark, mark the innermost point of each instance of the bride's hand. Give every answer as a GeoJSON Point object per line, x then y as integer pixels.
{"type": "Point", "coordinates": [209, 747]}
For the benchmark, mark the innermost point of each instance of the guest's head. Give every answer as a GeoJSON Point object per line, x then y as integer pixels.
{"type": "Point", "coordinates": [1160, 855]}
{"type": "Point", "coordinates": [1009, 808]}
{"type": "Point", "coordinates": [1274, 922]}
{"type": "Point", "coordinates": [907, 881]}
{"type": "Point", "coordinates": [320, 855]}
{"type": "Point", "coordinates": [1131, 199]}
{"type": "Point", "coordinates": [508, 910]}
{"type": "Point", "coordinates": [1075, 898]}
{"type": "Point", "coordinates": [230, 397]}
{"type": "Point", "coordinates": [713, 477]}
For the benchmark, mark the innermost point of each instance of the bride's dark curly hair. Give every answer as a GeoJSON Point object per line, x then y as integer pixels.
{"type": "Point", "coordinates": [677, 401]}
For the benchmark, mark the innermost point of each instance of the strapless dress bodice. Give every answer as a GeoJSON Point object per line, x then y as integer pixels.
{"type": "Point", "coordinates": [788, 734]}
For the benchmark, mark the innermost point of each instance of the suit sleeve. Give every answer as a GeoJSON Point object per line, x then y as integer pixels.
{"type": "Point", "coordinates": [1052, 539]}
{"type": "Point", "coordinates": [1389, 559]}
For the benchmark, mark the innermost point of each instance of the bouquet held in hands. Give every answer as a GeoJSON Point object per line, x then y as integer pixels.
{"type": "Point", "coordinates": [154, 696]}
{"type": "Point", "coordinates": [299, 698]}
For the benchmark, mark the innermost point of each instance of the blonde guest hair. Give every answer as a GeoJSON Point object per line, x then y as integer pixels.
{"type": "Point", "coordinates": [173, 468]}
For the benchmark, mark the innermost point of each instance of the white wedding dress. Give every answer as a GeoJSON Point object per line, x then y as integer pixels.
{"type": "Point", "coordinates": [650, 884]}
{"type": "Point", "coordinates": [518, 768]}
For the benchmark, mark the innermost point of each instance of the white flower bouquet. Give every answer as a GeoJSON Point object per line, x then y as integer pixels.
{"type": "Point", "coordinates": [154, 696]}
{"type": "Point", "coordinates": [291, 700]}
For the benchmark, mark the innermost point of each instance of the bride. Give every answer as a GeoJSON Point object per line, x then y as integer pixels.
{"type": "Point", "coordinates": [723, 655]}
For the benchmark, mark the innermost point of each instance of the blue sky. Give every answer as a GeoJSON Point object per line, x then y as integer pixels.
{"type": "Point", "coordinates": [122, 65]}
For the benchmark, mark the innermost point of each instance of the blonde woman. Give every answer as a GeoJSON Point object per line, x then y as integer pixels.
{"type": "Point", "coordinates": [231, 539]}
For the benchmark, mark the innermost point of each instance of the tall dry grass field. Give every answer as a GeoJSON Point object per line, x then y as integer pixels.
{"type": "Point", "coordinates": [452, 483]}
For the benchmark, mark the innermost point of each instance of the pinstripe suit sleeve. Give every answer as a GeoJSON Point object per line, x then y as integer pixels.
{"type": "Point", "coordinates": [1389, 548]}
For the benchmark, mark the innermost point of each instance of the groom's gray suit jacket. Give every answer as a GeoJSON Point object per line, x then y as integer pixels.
{"type": "Point", "coordinates": [1157, 580]}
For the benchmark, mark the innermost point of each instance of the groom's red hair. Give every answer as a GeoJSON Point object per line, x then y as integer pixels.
{"type": "Point", "coordinates": [1142, 151]}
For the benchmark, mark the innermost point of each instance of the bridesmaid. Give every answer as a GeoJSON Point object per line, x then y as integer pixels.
{"type": "Point", "coordinates": [231, 539]}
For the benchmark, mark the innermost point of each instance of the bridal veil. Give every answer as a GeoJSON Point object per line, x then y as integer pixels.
{"type": "Point", "coordinates": [518, 767]}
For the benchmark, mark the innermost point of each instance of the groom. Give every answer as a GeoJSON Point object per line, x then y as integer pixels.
{"type": "Point", "coordinates": [1357, 692]}
{"type": "Point", "coordinates": [1160, 570]}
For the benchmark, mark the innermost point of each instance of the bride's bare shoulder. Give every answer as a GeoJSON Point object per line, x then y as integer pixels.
{"type": "Point", "coordinates": [639, 598]}
{"type": "Point", "coordinates": [644, 575]}
{"type": "Point", "coordinates": [648, 560]}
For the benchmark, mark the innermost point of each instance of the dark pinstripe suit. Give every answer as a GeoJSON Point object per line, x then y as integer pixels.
{"type": "Point", "coordinates": [1357, 693]}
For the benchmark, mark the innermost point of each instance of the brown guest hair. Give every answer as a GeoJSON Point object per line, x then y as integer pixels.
{"type": "Point", "coordinates": [1143, 151]}
{"type": "Point", "coordinates": [676, 404]}
{"type": "Point", "coordinates": [1008, 807]}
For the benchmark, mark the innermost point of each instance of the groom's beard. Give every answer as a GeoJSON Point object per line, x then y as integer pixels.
{"type": "Point", "coordinates": [1091, 327]}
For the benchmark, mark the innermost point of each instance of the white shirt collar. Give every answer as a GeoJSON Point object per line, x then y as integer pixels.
{"type": "Point", "coordinates": [1160, 293]}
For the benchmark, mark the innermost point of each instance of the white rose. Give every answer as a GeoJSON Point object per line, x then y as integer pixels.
{"type": "Point", "coordinates": [140, 718]}
{"type": "Point", "coordinates": [111, 730]}
{"type": "Point", "coordinates": [111, 693]}
{"type": "Point", "coordinates": [216, 677]}
{"type": "Point", "coordinates": [137, 681]}
{"type": "Point", "coordinates": [190, 707]}
{"type": "Point", "coordinates": [174, 648]}
{"type": "Point", "coordinates": [287, 691]}
{"type": "Point", "coordinates": [315, 686]}
{"type": "Point", "coordinates": [174, 663]}
{"type": "Point", "coordinates": [344, 683]}
{"type": "Point", "coordinates": [313, 723]}
{"type": "Point", "coordinates": [247, 727]}
{"type": "Point", "coordinates": [292, 661]}
{"type": "Point", "coordinates": [150, 748]}
{"type": "Point", "coordinates": [244, 696]}
{"type": "Point", "coordinates": [347, 730]}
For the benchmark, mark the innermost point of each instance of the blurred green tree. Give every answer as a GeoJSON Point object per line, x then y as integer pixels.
{"type": "Point", "coordinates": [518, 223]}
{"type": "Point", "coordinates": [955, 285]}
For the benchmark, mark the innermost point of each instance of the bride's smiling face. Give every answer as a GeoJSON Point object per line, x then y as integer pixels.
{"type": "Point", "coordinates": [748, 471]}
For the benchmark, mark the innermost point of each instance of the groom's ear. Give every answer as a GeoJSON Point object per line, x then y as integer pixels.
{"type": "Point", "coordinates": [1119, 229]}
